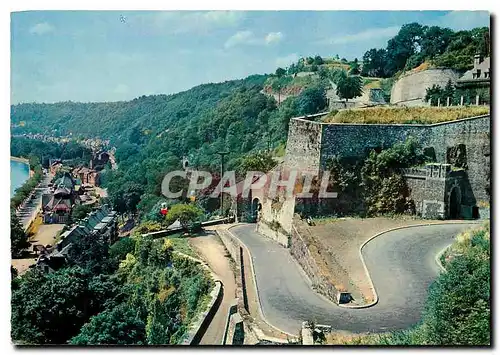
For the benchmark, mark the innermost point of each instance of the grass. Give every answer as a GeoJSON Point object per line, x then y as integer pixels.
{"type": "Point", "coordinates": [405, 115]}
{"type": "Point", "coordinates": [371, 83]}
{"type": "Point", "coordinates": [181, 244]}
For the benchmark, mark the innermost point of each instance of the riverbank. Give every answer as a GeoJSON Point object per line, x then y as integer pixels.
{"type": "Point", "coordinates": [21, 160]}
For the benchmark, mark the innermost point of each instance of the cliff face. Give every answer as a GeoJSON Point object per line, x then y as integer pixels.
{"type": "Point", "coordinates": [410, 89]}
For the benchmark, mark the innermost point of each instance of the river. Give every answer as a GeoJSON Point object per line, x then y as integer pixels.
{"type": "Point", "coordinates": [19, 173]}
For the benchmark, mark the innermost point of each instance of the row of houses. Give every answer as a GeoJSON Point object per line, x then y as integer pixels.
{"type": "Point", "coordinates": [102, 222]}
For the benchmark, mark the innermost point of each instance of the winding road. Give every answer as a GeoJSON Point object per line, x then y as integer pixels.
{"type": "Point", "coordinates": [401, 264]}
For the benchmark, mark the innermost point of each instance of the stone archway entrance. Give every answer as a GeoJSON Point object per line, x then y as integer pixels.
{"type": "Point", "coordinates": [454, 204]}
{"type": "Point", "coordinates": [256, 208]}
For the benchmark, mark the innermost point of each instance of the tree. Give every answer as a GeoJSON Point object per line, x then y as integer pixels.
{"type": "Point", "coordinates": [354, 67]}
{"type": "Point", "coordinates": [312, 100]}
{"type": "Point", "coordinates": [50, 308]}
{"type": "Point", "coordinates": [262, 162]}
{"type": "Point", "coordinates": [318, 60]}
{"type": "Point", "coordinates": [117, 326]}
{"type": "Point", "coordinates": [349, 86]}
{"type": "Point", "coordinates": [280, 72]}
{"type": "Point", "coordinates": [80, 212]}
{"type": "Point", "coordinates": [374, 62]}
{"type": "Point", "coordinates": [449, 91]}
{"type": "Point", "coordinates": [90, 252]}
{"type": "Point", "coordinates": [401, 47]}
{"type": "Point", "coordinates": [119, 250]}
{"type": "Point", "coordinates": [435, 40]}
{"type": "Point", "coordinates": [323, 73]}
{"type": "Point", "coordinates": [185, 213]}
{"type": "Point", "coordinates": [18, 238]}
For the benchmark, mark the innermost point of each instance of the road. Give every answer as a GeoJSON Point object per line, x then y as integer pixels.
{"type": "Point", "coordinates": [28, 211]}
{"type": "Point", "coordinates": [401, 263]}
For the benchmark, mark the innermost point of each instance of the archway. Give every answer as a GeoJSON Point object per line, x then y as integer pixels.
{"type": "Point", "coordinates": [256, 208]}
{"type": "Point", "coordinates": [454, 205]}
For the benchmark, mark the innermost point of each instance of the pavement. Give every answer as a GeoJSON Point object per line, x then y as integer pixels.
{"type": "Point", "coordinates": [30, 209]}
{"type": "Point", "coordinates": [401, 264]}
{"type": "Point", "coordinates": [212, 251]}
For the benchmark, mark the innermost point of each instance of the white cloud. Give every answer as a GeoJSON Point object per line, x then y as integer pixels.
{"type": "Point", "coordinates": [287, 60]}
{"type": "Point", "coordinates": [240, 37]}
{"type": "Point", "coordinates": [249, 38]}
{"type": "Point", "coordinates": [273, 37]}
{"type": "Point", "coordinates": [464, 20]}
{"type": "Point", "coordinates": [363, 36]}
{"type": "Point", "coordinates": [41, 28]}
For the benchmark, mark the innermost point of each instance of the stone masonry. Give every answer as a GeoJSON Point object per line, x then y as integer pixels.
{"type": "Point", "coordinates": [410, 89]}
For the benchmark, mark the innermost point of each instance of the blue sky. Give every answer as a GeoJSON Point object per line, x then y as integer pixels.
{"type": "Point", "coordinates": [110, 55]}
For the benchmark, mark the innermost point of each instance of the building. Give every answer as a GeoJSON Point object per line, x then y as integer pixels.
{"type": "Point", "coordinates": [55, 166]}
{"type": "Point", "coordinates": [99, 160]}
{"type": "Point", "coordinates": [475, 84]}
{"type": "Point", "coordinates": [58, 203]}
{"type": "Point", "coordinates": [86, 176]}
{"type": "Point", "coordinates": [102, 222]}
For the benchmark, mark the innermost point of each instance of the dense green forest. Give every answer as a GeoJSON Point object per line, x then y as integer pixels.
{"type": "Point", "coordinates": [414, 44]}
{"type": "Point", "coordinates": [135, 292]}
{"type": "Point", "coordinates": [43, 151]}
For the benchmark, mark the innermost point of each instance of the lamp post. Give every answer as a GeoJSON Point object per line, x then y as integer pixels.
{"type": "Point", "coordinates": [222, 154]}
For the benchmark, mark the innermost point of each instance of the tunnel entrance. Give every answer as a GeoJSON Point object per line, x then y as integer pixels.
{"type": "Point", "coordinates": [256, 208]}
{"type": "Point", "coordinates": [455, 200]}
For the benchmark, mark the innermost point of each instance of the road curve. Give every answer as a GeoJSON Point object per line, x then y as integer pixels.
{"type": "Point", "coordinates": [401, 264]}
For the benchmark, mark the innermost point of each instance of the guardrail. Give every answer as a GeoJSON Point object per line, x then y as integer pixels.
{"type": "Point", "coordinates": [170, 231]}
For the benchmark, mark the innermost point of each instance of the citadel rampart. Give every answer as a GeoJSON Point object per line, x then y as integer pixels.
{"type": "Point", "coordinates": [410, 89]}
{"type": "Point", "coordinates": [311, 144]}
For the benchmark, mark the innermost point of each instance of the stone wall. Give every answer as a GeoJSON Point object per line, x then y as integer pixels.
{"type": "Point", "coordinates": [300, 252]}
{"type": "Point", "coordinates": [303, 147]}
{"type": "Point", "coordinates": [412, 87]}
{"type": "Point", "coordinates": [279, 237]}
{"type": "Point", "coordinates": [354, 140]}
{"type": "Point", "coordinates": [311, 144]}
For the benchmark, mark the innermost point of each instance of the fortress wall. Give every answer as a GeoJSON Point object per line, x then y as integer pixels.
{"type": "Point", "coordinates": [312, 144]}
{"type": "Point", "coordinates": [475, 134]}
{"type": "Point", "coordinates": [413, 86]}
{"type": "Point", "coordinates": [303, 147]}
{"type": "Point", "coordinates": [355, 140]}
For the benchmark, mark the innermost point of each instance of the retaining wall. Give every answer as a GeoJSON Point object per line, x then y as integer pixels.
{"type": "Point", "coordinates": [278, 237]}
{"type": "Point", "coordinates": [199, 327]}
{"type": "Point", "coordinates": [300, 252]}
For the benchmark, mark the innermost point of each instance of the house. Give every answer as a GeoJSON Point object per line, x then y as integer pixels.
{"type": "Point", "coordinates": [102, 221]}
{"type": "Point", "coordinates": [475, 84]}
{"type": "Point", "coordinates": [479, 74]}
{"type": "Point", "coordinates": [99, 160]}
{"type": "Point", "coordinates": [86, 176]}
{"type": "Point", "coordinates": [55, 166]}
{"type": "Point", "coordinates": [58, 203]}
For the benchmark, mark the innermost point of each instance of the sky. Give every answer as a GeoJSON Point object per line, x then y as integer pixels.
{"type": "Point", "coordinates": [112, 56]}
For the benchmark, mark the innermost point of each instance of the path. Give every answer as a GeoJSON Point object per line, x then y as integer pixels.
{"type": "Point", "coordinates": [31, 208]}
{"type": "Point", "coordinates": [401, 264]}
{"type": "Point", "coordinates": [211, 250]}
